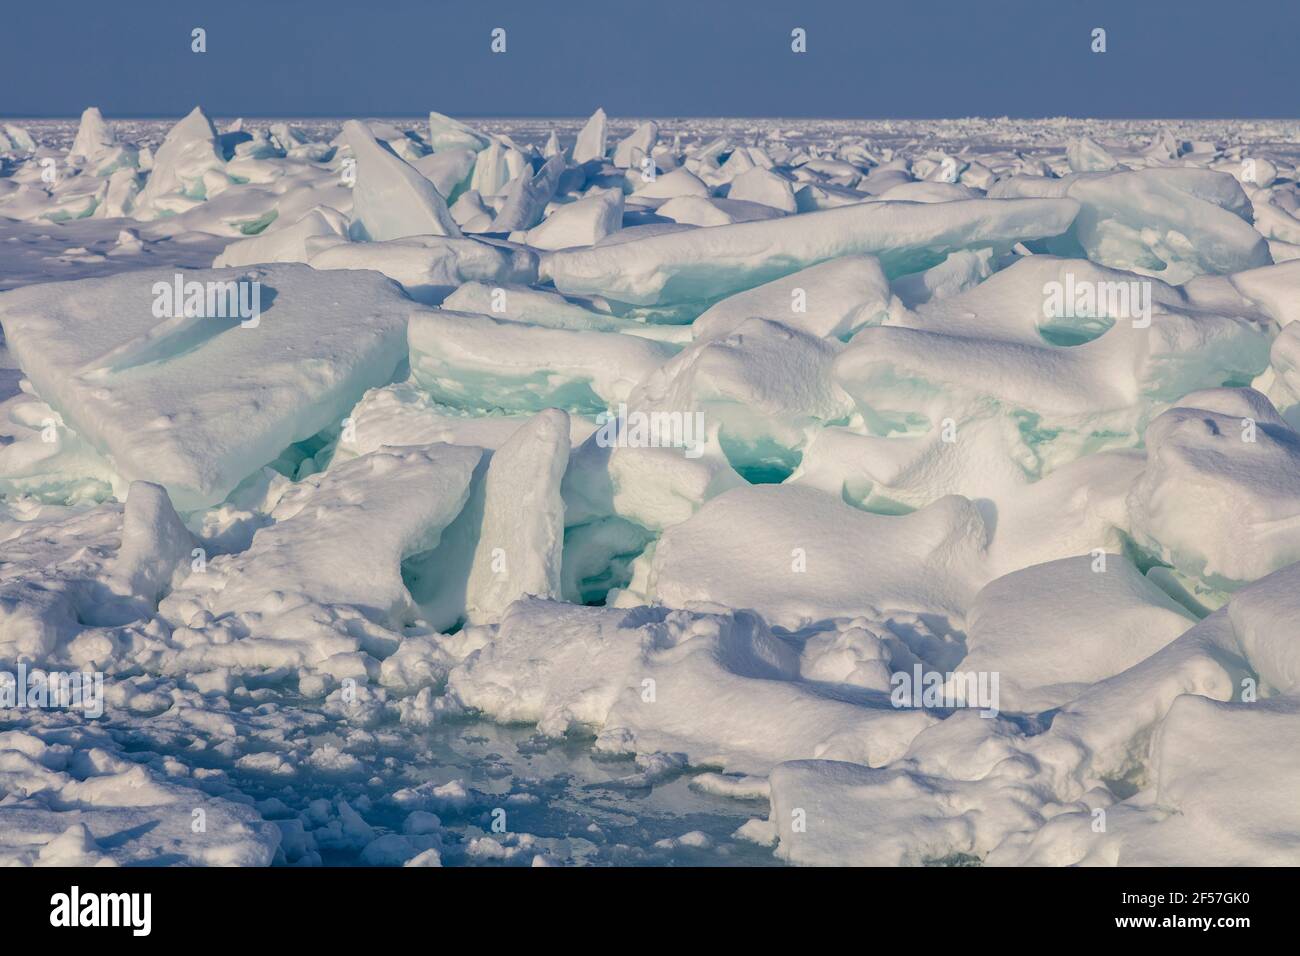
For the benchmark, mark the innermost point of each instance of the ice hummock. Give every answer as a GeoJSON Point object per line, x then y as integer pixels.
{"type": "Point", "coordinates": [443, 509]}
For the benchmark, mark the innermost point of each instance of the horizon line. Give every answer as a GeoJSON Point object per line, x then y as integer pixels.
{"type": "Point", "coordinates": [9, 117]}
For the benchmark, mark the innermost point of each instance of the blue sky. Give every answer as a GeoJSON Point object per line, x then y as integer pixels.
{"type": "Point", "coordinates": [866, 58]}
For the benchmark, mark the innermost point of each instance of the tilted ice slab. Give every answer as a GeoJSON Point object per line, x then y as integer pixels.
{"type": "Point", "coordinates": [671, 185]}
{"type": "Point", "coordinates": [156, 547]}
{"type": "Point", "coordinates": [639, 144]}
{"type": "Point", "coordinates": [1273, 290]}
{"type": "Point", "coordinates": [526, 199]}
{"type": "Point", "coordinates": [197, 404]}
{"type": "Point", "coordinates": [655, 488]}
{"type": "Point", "coordinates": [449, 171]}
{"type": "Point", "coordinates": [93, 136]}
{"type": "Point", "coordinates": [96, 149]}
{"type": "Point", "coordinates": [446, 133]}
{"type": "Point", "coordinates": [522, 534]}
{"type": "Point", "coordinates": [707, 264]}
{"type": "Point", "coordinates": [591, 141]}
{"type": "Point", "coordinates": [765, 187]}
{"type": "Point", "coordinates": [581, 223]}
{"type": "Point", "coordinates": [895, 473]}
{"type": "Point", "coordinates": [474, 361]}
{"type": "Point", "coordinates": [958, 272]}
{"type": "Point", "coordinates": [508, 541]}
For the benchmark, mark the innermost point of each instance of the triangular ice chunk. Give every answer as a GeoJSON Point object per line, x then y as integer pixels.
{"type": "Point", "coordinates": [391, 200]}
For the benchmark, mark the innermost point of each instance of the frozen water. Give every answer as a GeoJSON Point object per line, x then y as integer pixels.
{"type": "Point", "coordinates": [689, 491]}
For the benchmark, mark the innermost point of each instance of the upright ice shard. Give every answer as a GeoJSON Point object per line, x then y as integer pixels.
{"type": "Point", "coordinates": [641, 142]}
{"type": "Point", "coordinates": [591, 141]}
{"type": "Point", "coordinates": [182, 166]}
{"type": "Point", "coordinates": [391, 200]}
{"type": "Point", "coordinates": [522, 536]}
{"type": "Point", "coordinates": [93, 136]}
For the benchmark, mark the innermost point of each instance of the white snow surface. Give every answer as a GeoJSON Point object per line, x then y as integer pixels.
{"type": "Point", "coordinates": [867, 493]}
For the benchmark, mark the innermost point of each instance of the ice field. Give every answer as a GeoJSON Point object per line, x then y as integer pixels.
{"type": "Point", "coordinates": [721, 492]}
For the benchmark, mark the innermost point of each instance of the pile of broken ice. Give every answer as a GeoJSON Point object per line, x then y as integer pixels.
{"type": "Point", "coordinates": [707, 448]}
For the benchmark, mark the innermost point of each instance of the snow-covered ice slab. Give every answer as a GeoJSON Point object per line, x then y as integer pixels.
{"type": "Point", "coordinates": [1220, 496]}
{"type": "Point", "coordinates": [832, 300]}
{"type": "Point", "coordinates": [551, 310]}
{"type": "Point", "coordinates": [1179, 222]}
{"type": "Point", "coordinates": [798, 556]}
{"type": "Point", "coordinates": [474, 361]}
{"type": "Point", "coordinates": [760, 391]}
{"type": "Point", "coordinates": [197, 404]}
{"type": "Point", "coordinates": [392, 503]}
{"type": "Point", "coordinates": [644, 678]}
{"type": "Point", "coordinates": [429, 267]}
{"type": "Point", "coordinates": [1070, 381]}
{"type": "Point", "coordinates": [707, 264]}
{"type": "Point", "coordinates": [1054, 629]}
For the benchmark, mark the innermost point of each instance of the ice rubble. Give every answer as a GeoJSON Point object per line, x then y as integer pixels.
{"type": "Point", "coordinates": [420, 486]}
